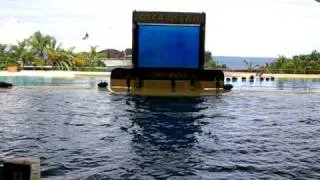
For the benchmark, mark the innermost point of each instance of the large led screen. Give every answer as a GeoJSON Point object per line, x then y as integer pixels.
{"type": "Point", "coordinates": [165, 46]}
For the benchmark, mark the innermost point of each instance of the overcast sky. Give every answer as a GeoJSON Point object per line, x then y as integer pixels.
{"type": "Point", "coordinates": [234, 27]}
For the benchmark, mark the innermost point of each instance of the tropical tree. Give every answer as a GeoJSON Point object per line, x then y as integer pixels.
{"type": "Point", "coordinates": [210, 62]}
{"type": "Point", "coordinates": [93, 58]}
{"type": "Point", "coordinates": [2, 48]}
{"type": "Point", "coordinates": [306, 62]}
{"type": "Point", "coordinates": [315, 55]}
{"type": "Point", "coordinates": [39, 45]}
{"type": "Point", "coordinates": [78, 60]}
{"type": "Point", "coordinates": [69, 52]}
{"type": "Point", "coordinates": [250, 65]}
{"type": "Point", "coordinates": [53, 50]}
{"type": "Point", "coordinates": [281, 62]}
{"type": "Point", "coordinates": [60, 58]}
{"type": "Point", "coordinates": [295, 65]}
{"type": "Point", "coordinates": [298, 64]}
{"type": "Point", "coordinates": [208, 56]}
{"type": "Point", "coordinates": [4, 56]}
{"type": "Point", "coordinates": [20, 53]}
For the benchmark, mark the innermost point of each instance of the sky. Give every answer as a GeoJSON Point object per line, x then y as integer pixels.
{"type": "Point", "coordinates": [258, 28]}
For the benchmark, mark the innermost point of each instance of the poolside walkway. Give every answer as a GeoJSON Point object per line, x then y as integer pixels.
{"type": "Point", "coordinates": [287, 76]}
{"type": "Point", "coordinates": [107, 74]}
{"type": "Point", "coordinates": [54, 73]}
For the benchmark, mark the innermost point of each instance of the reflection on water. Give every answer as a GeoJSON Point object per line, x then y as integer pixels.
{"type": "Point", "coordinates": [165, 135]}
{"type": "Point", "coordinates": [52, 81]}
{"type": "Point", "coordinates": [278, 84]}
{"type": "Point", "coordinates": [310, 85]}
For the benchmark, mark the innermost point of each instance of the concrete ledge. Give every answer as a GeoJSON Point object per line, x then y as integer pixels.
{"type": "Point", "coordinates": [61, 74]}
{"type": "Point", "coordinates": [15, 168]}
{"type": "Point", "coordinates": [82, 73]}
{"type": "Point", "coordinates": [71, 74]}
{"type": "Point", "coordinates": [288, 76]}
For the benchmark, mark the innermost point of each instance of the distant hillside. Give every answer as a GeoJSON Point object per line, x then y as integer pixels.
{"type": "Point", "coordinates": [236, 62]}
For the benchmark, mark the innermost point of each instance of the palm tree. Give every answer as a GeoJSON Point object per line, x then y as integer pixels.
{"type": "Point", "coordinates": [315, 55]}
{"type": "Point", "coordinates": [2, 48]}
{"type": "Point", "coordinates": [93, 58]}
{"type": "Point", "coordinates": [4, 56]}
{"type": "Point", "coordinates": [58, 57]}
{"type": "Point", "coordinates": [12, 54]}
{"type": "Point", "coordinates": [21, 53]}
{"type": "Point", "coordinates": [250, 65]}
{"type": "Point", "coordinates": [39, 44]}
{"type": "Point", "coordinates": [295, 65]}
{"type": "Point", "coordinates": [69, 52]}
{"type": "Point", "coordinates": [281, 62]}
{"type": "Point", "coordinates": [68, 55]}
{"type": "Point", "coordinates": [210, 62]}
{"type": "Point", "coordinates": [53, 51]}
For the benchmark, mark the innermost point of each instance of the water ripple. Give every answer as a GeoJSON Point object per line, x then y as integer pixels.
{"type": "Point", "coordinates": [90, 134]}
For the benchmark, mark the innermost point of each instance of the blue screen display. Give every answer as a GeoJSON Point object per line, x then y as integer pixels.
{"type": "Point", "coordinates": [162, 46]}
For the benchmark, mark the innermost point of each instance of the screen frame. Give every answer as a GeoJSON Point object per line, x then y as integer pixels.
{"type": "Point", "coordinates": [167, 19]}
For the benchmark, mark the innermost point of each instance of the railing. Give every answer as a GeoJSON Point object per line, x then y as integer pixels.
{"type": "Point", "coordinates": [56, 68]}
{"type": "Point", "coordinates": [293, 71]}
{"type": "Point", "coordinates": [117, 62]}
{"type": "Point", "coordinates": [127, 64]}
{"type": "Point", "coordinates": [92, 69]}
{"type": "Point", "coordinates": [37, 67]}
{"type": "Point", "coordinates": [273, 71]}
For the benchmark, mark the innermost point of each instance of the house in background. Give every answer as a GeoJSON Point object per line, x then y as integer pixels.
{"type": "Point", "coordinates": [116, 58]}
{"type": "Point", "coordinates": [116, 54]}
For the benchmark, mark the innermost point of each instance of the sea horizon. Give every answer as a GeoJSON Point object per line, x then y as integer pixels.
{"type": "Point", "coordinates": [237, 62]}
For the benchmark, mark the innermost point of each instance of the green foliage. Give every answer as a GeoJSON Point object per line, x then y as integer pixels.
{"type": "Point", "coordinates": [250, 65]}
{"type": "Point", "coordinates": [7, 56]}
{"type": "Point", "coordinates": [93, 58]}
{"type": "Point", "coordinates": [210, 62]}
{"type": "Point", "coordinates": [301, 64]}
{"type": "Point", "coordinates": [20, 53]}
{"type": "Point", "coordinates": [39, 44]}
{"type": "Point", "coordinates": [44, 50]}
{"type": "Point", "coordinates": [4, 57]}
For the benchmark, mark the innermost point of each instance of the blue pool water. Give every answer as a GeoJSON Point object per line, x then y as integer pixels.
{"type": "Point", "coordinates": [81, 132]}
{"type": "Point", "coordinates": [309, 85]}
{"type": "Point", "coordinates": [52, 81]}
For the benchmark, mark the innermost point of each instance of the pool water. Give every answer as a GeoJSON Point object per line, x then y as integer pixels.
{"type": "Point", "coordinates": [52, 81]}
{"type": "Point", "coordinates": [309, 85]}
{"type": "Point", "coordinates": [81, 132]}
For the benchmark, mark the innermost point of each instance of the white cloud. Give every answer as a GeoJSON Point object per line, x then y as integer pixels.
{"type": "Point", "coordinates": [245, 28]}
{"type": "Point", "coordinates": [12, 30]}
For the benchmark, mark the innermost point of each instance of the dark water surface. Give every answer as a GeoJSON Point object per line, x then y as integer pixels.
{"type": "Point", "coordinates": [80, 132]}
